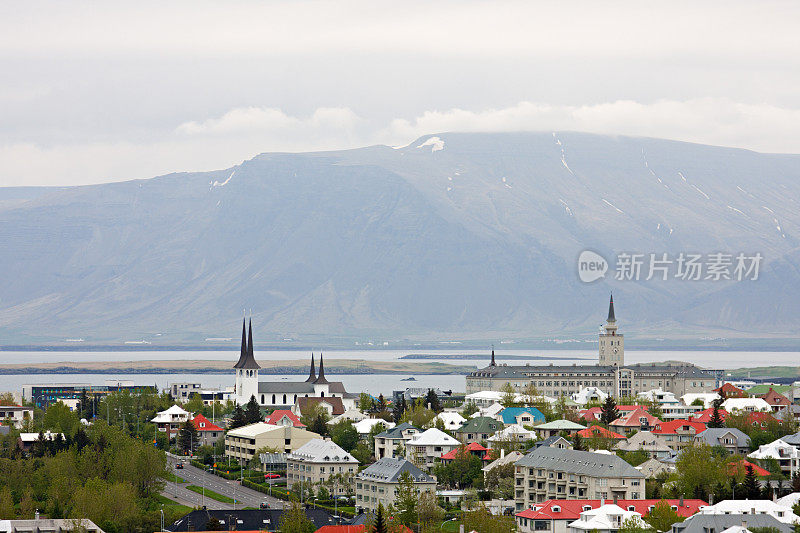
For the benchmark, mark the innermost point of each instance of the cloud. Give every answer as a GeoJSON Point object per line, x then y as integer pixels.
{"type": "Point", "coordinates": [240, 133]}
{"type": "Point", "coordinates": [718, 121]}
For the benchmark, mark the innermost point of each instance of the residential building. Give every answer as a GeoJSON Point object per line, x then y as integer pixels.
{"type": "Point", "coordinates": [776, 400]}
{"type": "Point", "coordinates": [739, 468]}
{"type": "Point", "coordinates": [556, 441]}
{"type": "Point", "coordinates": [678, 433]}
{"type": "Point", "coordinates": [594, 414]}
{"type": "Point", "coordinates": [752, 507]}
{"type": "Point", "coordinates": [426, 448]}
{"type": "Point", "coordinates": [484, 398]}
{"type": "Point", "coordinates": [556, 427]}
{"type": "Point", "coordinates": [183, 391]}
{"type": "Point", "coordinates": [523, 416]}
{"type": "Point", "coordinates": [44, 394]}
{"type": "Point", "coordinates": [283, 394]}
{"type": "Point", "coordinates": [607, 518]}
{"type": "Point", "coordinates": [655, 445]}
{"type": "Point", "coordinates": [352, 414]}
{"type": "Point", "coordinates": [388, 443]}
{"type": "Point", "coordinates": [478, 429]}
{"type": "Point", "coordinates": [171, 420]}
{"type": "Point", "coordinates": [679, 411]}
{"type": "Point", "coordinates": [316, 461]}
{"type": "Point", "coordinates": [504, 459]}
{"type": "Point", "coordinates": [209, 432]}
{"type": "Point", "coordinates": [412, 394]}
{"type": "Point", "coordinates": [654, 467]}
{"type": "Point", "coordinates": [366, 426]}
{"type": "Point", "coordinates": [786, 455]}
{"type": "Point", "coordinates": [611, 375]}
{"type": "Point", "coordinates": [599, 432]}
{"type": "Point", "coordinates": [332, 406]}
{"type": "Point", "coordinates": [746, 405]}
{"type": "Point", "coordinates": [706, 523]}
{"type": "Point", "coordinates": [707, 398]}
{"type": "Point", "coordinates": [49, 525]}
{"type": "Point", "coordinates": [473, 448]}
{"type": "Point", "coordinates": [729, 390]}
{"type": "Point", "coordinates": [732, 439]}
{"type": "Point", "coordinates": [283, 417]}
{"type": "Point", "coordinates": [242, 443]}
{"type": "Point", "coordinates": [449, 419]}
{"type": "Point", "coordinates": [553, 516]}
{"type": "Point", "coordinates": [636, 420]}
{"type": "Point", "coordinates": [377, 484]}
{"type": "Point", "coordinates": [589, 394]}
{"type": "Point", "coordinates": [15, 415]}
{"type": "Point", "coordinates": [512, 433]}
{"type": "Point", "coordinates": [549, 473]}
{"type": "Point", "coordinates": [26, 440]}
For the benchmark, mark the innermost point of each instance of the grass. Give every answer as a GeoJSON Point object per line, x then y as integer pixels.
{"type": "Point", "coordinates": [173, 507]}
{"type": "Point", "coordinates": [210, 494]}
{"type": "Point", "coordinates": [451, 526]}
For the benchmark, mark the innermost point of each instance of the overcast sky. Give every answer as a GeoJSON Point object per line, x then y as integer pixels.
{"type": "Point", "coordinates": [105, 91]}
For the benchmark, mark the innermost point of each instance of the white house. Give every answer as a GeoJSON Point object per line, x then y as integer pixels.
{"type": "Point", "coordinates": [661, 396]}
{"type": "Point", "coordinates": [171, 420]}
{"type": "Point", "coordinates": [605, 519]}
{"type": "Point", "coordinates": [513, 432]}
{"type": "Point", "coordinates": [451, 420]}
{"type": "Point", "coordinates": [365, 426]}
{"type": "Point", "coordinates": [746, 405]}
{"type": "Point", "coordinates": [780, 512]}
{"type": "Point", "coordinates": [426, 448]}
{"type": "Point", "coordinates": [352, 414]}
{"type": "Point", "coordinates": [787, 456]}
{"type": "Point", "coordinates": [589, 394]}
{"type": "Point", "coordinates": [707, 398]}
{"type": "Point", "coordinates": [16, 414]}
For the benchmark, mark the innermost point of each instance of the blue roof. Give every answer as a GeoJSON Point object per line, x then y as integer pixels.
{"type": "Point", "coordinates": [510, 414]}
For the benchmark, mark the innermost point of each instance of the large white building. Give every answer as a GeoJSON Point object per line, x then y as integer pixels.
{"type": "Point", "coordinates": [282, 394]}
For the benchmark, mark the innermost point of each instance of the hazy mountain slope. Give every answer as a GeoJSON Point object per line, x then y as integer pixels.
{"type": "Point", "coordinates": [466, 234]}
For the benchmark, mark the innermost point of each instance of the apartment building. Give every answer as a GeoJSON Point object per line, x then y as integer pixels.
{"type": "Point", "coordinates": [378, 483]}
{"type": "Point", "coordinates": [316, 461]}
{"type": "Point", "coordinates": [242, 443]}
{"type": "Point", "coordinates": [426, 449]}
{"type": "Point", "coordinates": [389, 442]}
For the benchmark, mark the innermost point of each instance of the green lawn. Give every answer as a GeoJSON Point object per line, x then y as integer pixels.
{"type": "Point", "coordinates": [210, 494]}
{"type": "Point", "coordinates": [451, 526]}
{"type": "Point", "coordinates": [172, 508]}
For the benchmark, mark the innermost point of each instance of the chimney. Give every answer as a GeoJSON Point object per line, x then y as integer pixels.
{"type": "Point", "coordinates": [502, 452]}
{"type": "Point", "coordinates": [602, 502]}
{"type": "Point", "coordinates": [615, 499]}
{"type": "Point", "coordinates": [36, 516]}
{"type": "Point", "coordinates": [774, 495]}
{"type": "Point", "coordinates": [710, 499]}
{"type": "Point", "coordinates": [680, 502]}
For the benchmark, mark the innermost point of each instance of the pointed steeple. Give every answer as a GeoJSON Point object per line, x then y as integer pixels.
{"type": "Point", "coordinates": [611, 317]}
{"type": "Point", "coordinates": [312, 375]}
{"type": "Point", "coordinates": [321, 376]}
{"type": "Point", "coordinates": [246, 358]}
{"type": "Point", "coordinates": [492, 363]}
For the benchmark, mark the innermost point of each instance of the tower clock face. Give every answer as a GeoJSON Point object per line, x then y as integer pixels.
{"type": "Point", "coordinates": [615, 350]}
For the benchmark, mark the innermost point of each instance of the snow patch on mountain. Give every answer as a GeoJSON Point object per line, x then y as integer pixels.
{"type": "Point", "coordinates": [435, 143]}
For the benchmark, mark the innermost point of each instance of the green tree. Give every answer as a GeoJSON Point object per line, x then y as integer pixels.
{"type": "Point", "coordinates": [432, 401]}
{"type": "Point", "coordinates": [188, 437]}
{"type": "Point", "coordinates": [662, 516]}
{"type": "Point", "coordinates": [418, 415]}
{"type": "Point", "coordinates": [428, 510]}
{"type": "Point", "coordinates": [699, 469]}
{"type": "Point", "coordinates": [379, 525]}
{"type": "Point", "coordinates": [252, 412]}
{"type": "Point", "coordinates": [751, 486]}
{"type": "Point", "coordinates": [577, 443]}
{"type": "Point", "coordinates": [7, 511]}
{"type": "Point", "coordinates": [344, 434]}
{"type": "Point", "coordinates": [469, 409]}
{"type": "Point", "coordinates": [318, 425]}
{"type": "Point", "coordinates": [294, 520]}
{"type": "Point", "coordinates": [634, 524]}
{"type": "Point", "coordinates": [461, 472]}
{"type": "Point", "coordinates": [238, 419]}
{"type": "Point", "coordinates": [610, 412]}
{"type": "Point", "coordinates": [362, 452]}
{"type": "Point", "coordinates": [59, 418]}
{"type": "Point", "coordinates": [509, 398]}
{"type": "Point", "coordinates": [399, 408]}
{"type": "Point", "coordinates": [406, 500]}
{"type": "Point", "coordinates": [482, 520]}
{"type": "Point", "coordinates": [365, 402]}
{"type": "Point", "coordinates": [500, 481]}
{"type": "Point", "coordinates": [716, 418]}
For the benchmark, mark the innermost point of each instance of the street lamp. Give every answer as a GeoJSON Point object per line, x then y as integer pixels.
{"type": "Point", "coordinates": [162, 517]}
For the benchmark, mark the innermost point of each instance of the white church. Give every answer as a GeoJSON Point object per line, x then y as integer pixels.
{"type": "Point", "coordinates": [283, 394]}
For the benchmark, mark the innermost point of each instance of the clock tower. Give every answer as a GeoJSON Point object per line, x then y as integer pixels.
{"type": "Point", "coordinates": [612, 345]}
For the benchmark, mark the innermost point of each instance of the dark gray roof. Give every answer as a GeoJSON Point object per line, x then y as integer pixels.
{"type": "Point", "coordinates": [579, 462]}
{"type": "Point", "coordinates": [396, 432]}
{"type": "Point", "coordinates": [549, 441]}
{"type": "Point", "coordinates": [711, 436]}
{"type": "Point", "coordinates": [272, 458]}
{"type": "Point", "coordinates": [611, 317]}
{"type": "Point", "coordinates": [294, 387]}
{"type": "Point", "coordinates": [251, 520]}
{"type": "Point", "coordinates": [247, 360]}
{"type": "Point", "coordinates": [794, 440]}
{"type": "Point", "coordinates": [511, 371]}
{"type": "Point", "coordinates": [388, 470]}
{"type": "Point", "coordinates": [705, 523]}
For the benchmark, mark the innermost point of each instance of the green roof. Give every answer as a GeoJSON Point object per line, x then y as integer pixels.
{"type": "Point", "coordinates": [763, 389]}
{"type": "Point", "coordinates": [559, 425]}
{"type": "Point", "coordinates": [480, 424]}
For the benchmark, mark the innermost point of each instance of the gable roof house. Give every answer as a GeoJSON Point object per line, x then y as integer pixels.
{"type": "Point", "coordinates": [636, 420]}
{"type": "Point", "coordinates": [478, 429]}
{"type": "Point", "coordinates": [653, 444]}
{"type": "Point", "coordinates": [523, 416]}
{"type": "Point", "coordinates": [209, 432]}
{"type": "Point", "coordinates": [316, 461]}
{"type": "Point", "coordinates": [377, 483]}
{"type": "Point", "coordinates": [732, 439]}
{"type": "Point", "coordinates": [387, 443]}
{"type": "Point", "coordinates": [426, 448]}
{"type": "Point", "coordinates": [679, 433]}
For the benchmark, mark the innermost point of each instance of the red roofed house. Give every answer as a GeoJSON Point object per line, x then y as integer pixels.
{"type": "Point", "coordinates": [552, 516]}
{"type": "Point", "coordinates": [761, 419]}
{"type": "Point", "coordinates": [778, 401]}
{"type": "Point", "coordinates": [208, 431]}
{"type": "Point", "coordinates": [705, 415]}
{"type": "Point", "coordinates": [473, 448]}
{"type": "Point", "coordinates": [284, 417]}
{"type": "Point", "coordinates": [598, 432]}
{"type": "Point", "coordinates": [592, 414]}
{"type": "Point", "coordinates": [740, 467]}
{"type": "Point", "coordinates": [728, 390]}
{"type": "Point", "coordinates": [679, 433]}
{"type": "Point", "coordinates": [636, 420]}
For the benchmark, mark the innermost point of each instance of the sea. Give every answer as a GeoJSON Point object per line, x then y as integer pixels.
{"type": "Point", "coordinates": [369, 383]}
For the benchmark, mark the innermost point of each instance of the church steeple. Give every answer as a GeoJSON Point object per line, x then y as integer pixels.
{"type": "Point", "coordinates": [321, 377]}
{"type": "Point", "coordinates": [247, 360]}
{"type": "Point", "coordinates": [243, 352]}
{"type": "Point", "coordinates": [312, 376]}
{"type": "Point", "coordinates": [611, 317]}
{"type": "Point", "coordinates": [492, 363]}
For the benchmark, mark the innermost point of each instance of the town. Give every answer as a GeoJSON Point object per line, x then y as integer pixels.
{"type": "Point", "coordinates": [610, 447]}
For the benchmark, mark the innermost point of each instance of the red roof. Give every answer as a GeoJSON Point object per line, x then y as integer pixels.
{"type": "Point", "coordinates": [705, 415]}
{"type": "Point", "coordinates": [599, 431]}
{"type": "Point", "coordinates": [593, 413]}
{"type": "Point", "coordinates": [202, 423]}
{"type": "Point", "coordinates": [775, 398]}
{"type": "Point", "coordinates": [571, 509]}
{"type": "Point", "coordinates": [471, 447]}
{"type": "Point", "coordinates": [760, 418]}
{"type": "Point", "coordinates": [730, 391]}
{"type": "Point", "coordinates": [632, 418]}
{"type": "Point", "coordinates": [733, 466]}
{"type": "Point", "coordinates": [278, 414]}
{"type": "Point", "coordinates": [671, 426]}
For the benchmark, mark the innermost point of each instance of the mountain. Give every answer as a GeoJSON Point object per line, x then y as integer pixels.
{"type": "Point", "coordinates": [453, 236]}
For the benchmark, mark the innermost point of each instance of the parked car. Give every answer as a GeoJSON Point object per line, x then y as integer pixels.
{"type": "Point", "coordinates": [264, 505]}
{"type": "Point", "coordinates": [271, 475]}
{"type": "Point", "coordinates": [179, 466]}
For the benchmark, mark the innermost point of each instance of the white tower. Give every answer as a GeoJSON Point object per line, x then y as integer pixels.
{"type": "Point", "coordinates": [246, 369]}
{"type": "Point", "coordinates": [612, 346]}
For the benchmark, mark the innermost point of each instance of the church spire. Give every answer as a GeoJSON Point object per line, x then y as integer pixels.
{"type": "Point", "coordinates": [321, 376]}
{"type": "Point", "coordinates": [492, 363]}
{"type": "Point", "coordinates": [246, 358]}
{"type": "Point", "coordinates": [611, 317]}
{"type": "Point", "coordinates": [312, 376]}
{"type": "Point", "coordinates": [250, 340]}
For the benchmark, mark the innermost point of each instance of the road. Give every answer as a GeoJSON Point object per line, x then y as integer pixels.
{"type": "Point", "coordinates": [245, 497]}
